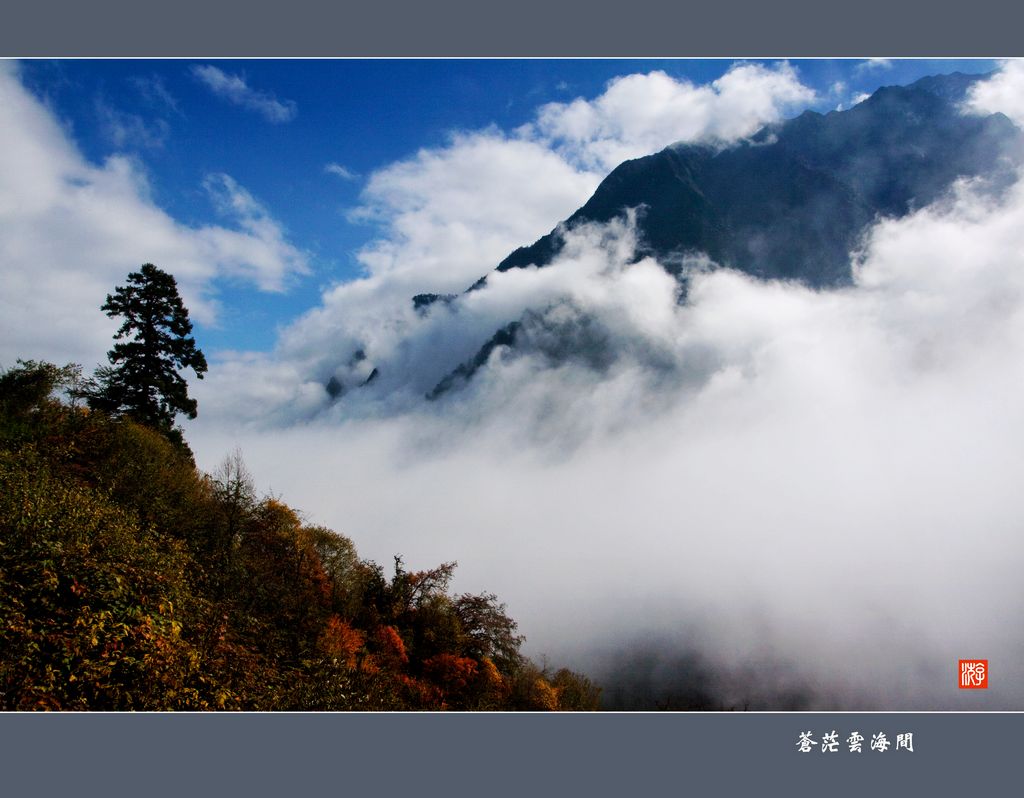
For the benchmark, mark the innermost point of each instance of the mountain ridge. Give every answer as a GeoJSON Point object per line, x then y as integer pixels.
{"type": "Point", "coordinates": [698, 199]}
{"type": "Point", "coordinates": [791, 202]}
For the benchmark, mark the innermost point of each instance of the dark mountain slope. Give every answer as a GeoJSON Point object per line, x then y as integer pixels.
{"type": "Point", "coordinates": [791, 202]}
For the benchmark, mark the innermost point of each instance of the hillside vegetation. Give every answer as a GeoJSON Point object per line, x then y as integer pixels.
{"type": "Point", "coordinates": [130, 580]}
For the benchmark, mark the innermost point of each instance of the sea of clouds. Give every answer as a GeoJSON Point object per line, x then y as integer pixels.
{"type": "Point", "coordinates": [756, 492]}
{"type": "Point", "coordinates": [761, 495]}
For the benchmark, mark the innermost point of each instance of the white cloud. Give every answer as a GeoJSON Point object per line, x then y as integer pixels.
{"type": "Point", "coordinates": [447, 216]}
{"type": "Point", "coordinates": [857, 99]}
{"type": "Point", "coordinates": [126, 130]}
{"type": "Point", "coordinates": [341, 171]}
{"type": "Point", "coordinates": [236, 91]}
{"type": "Point", "coordinates": [257, 251]}
{"type": "Point", "coordinates": [153, 90]}
{"type": "Point", "coordinates": [640, 114]}
{"type": "Point", "coordinates": [1003, 92]}
{"type": "Point", "coordinates": [450, 214]}
{"type": "Point", "coordinates": [71, 230]}
{"type": "Point", "coordinates": [871, 64]}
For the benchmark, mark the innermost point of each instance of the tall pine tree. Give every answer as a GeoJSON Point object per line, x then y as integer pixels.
{"type": "Point", "coordinates": [142, 380]}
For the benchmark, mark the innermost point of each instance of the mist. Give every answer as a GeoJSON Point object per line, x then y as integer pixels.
{"type": "Point", "coordinates": [814, 495]}
{"type": "Point", "coordinates": [716, 492]}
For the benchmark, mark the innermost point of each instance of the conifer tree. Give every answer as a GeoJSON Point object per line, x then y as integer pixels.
{"type": "Point", "coordinates": [154, 343]}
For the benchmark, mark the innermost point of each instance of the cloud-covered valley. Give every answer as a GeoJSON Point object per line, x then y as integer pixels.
{"type": "Point", "coordinates": [795, 497]}
{"type": "Point", "coordinates": [823, 478]}
{"type": "Point", "coordinates": [753, 491]}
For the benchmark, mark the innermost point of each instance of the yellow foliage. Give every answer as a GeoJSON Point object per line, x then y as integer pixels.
{"type": "Point", "coordinates": [544, 695]}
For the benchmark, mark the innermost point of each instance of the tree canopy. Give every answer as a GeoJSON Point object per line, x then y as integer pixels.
{"type": "Point", "coordinates": [154, 343]}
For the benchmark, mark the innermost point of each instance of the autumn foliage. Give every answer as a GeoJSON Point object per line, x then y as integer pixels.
{"type": "Point", "coordinates": [129, 580]}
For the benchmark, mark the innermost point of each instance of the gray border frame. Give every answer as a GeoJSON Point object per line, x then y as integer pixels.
{"type": "Point", "coordinates": [526, 28]}
{"type": "Point", "coordinates": [498, 755]}
{"type": "Point", "coordinates": [634, 754]}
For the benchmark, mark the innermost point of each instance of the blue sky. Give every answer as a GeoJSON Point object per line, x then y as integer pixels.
{"type": "Point", "coordinates": [177, 122]}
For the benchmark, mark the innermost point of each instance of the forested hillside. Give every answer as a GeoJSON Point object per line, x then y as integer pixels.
{"type": "Point", "coordinates": [130, 580]}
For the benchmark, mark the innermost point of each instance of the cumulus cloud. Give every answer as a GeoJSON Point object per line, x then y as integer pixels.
{"type": "Point", "coordinates": [71, 230]}
{"type": "Point", "coordinates": [813, 495]}
{"type": "Point", "coordinates": [1003, 92]}
{"type": "Point", "coordinates": [639, 114]}
{"type": "Point", "coordinates": [447, 216]}
{"type": "Point", "coordinates": [235, 90]}
{"type": "Point", "coordinates": [452, 211]}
